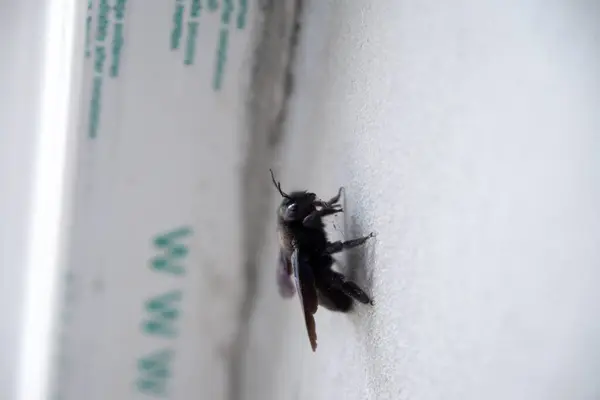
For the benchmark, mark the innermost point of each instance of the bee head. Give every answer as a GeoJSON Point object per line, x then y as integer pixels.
{"type": "Point", "coordinates": [296, 205]}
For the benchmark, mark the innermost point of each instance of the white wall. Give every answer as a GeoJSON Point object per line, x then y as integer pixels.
{"type": "Point", "coordinates": [21, 45]}
{"type": "Point", "coordinates": [466, 134]}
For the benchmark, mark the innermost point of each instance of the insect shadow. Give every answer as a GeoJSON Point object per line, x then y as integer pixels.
{"type": "Point", "coordinates": [355, 265]}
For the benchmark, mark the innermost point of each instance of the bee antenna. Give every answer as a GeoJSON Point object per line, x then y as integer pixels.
{"type": "Point", "coordinates": [278, 185]}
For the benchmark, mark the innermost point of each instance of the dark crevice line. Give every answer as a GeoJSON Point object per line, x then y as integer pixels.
{"type": "Point", "coordinates": [271, 87]}
{"type": "Point", "coordinates": [288, 85]}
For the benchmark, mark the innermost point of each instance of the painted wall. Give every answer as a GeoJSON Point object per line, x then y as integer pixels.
{"type": "Point", "coordinates": [466, 134]}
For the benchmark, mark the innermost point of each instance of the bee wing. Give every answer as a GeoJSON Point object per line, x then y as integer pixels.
{"type": "Point", "coordinates": [284, 276]}
{"type": "Point", "coordinates": [305, 285]}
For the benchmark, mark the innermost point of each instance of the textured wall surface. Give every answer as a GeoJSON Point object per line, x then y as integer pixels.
{"type": "Point", "coordinates": [466, 135]}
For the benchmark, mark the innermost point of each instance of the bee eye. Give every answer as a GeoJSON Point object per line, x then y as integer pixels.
{"type": "Point", "coordinates": [292, 207]}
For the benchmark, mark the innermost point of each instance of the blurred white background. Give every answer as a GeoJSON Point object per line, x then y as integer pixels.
{"type": "Point", "coordinates": [22, 46]}
{"type": "Point", "coordinates": [35, 84]}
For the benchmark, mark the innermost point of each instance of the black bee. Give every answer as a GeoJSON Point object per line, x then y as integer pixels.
{"type": "Point", "coordinates": [306, 253]}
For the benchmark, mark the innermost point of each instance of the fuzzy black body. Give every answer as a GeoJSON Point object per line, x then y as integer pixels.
{"type": "Point", "coordinates": [312, 243]}
{"type": "Point", "coordinates": [305, 257]}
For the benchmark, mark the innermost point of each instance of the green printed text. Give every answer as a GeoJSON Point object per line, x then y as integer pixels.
{"type": "Point", "coordinates": [177, 30]}
{"type": "Point", "coordinates": [119, 9]}
{"type": "Point", "coordinates": [100, 53]}
{"type": "Point", "coordinates": [117, 44]}
{"type": "Point", "coordinates": [164, 313]}
{"type": "Point", "coordinates": [195, 10]}
{"type": "Point", "coordinates": [243, 12]}
{"type": "Point", "coordinates": [213, 5]}
{"type": "Point", "coordinates": [155, 371]}
{"type": "Point", "coordinates": [227, 10]}
{"type": "Point", "coordinates": [221, 59]}
{"type": "Point", "coordinates": [174, 252]}
{"type": "Point", "coordinates": [99, 59]}
{"type": "Point", "coordinates": [102, 28]}
{"type": "Point", "coordinates": [230, 13]}
{"type": "Point", "coordinates": [88, 36]}
{"type": "Point", "coordinates": [190, 46]}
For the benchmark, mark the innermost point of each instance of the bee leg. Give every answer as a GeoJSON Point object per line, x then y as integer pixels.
{"type": "Point", "coordinates": [354, 291]}
{"type": "Point", "coordinates": [331, 203]}
{"type": "Point", "coordinates": [334, 299]}
{"type": "Point", "coordinates": [337, 280]}
{"type": "Point", "coordinates": [336, 247]}
{"type": "Point", "coordinates": [313, 219]}
{"type": "Point", "coordinates": [335, 198]}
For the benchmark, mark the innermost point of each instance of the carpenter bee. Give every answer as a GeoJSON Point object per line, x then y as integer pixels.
{"type": "Point", "coordinates": [306, 254]}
